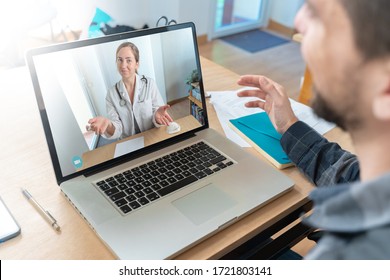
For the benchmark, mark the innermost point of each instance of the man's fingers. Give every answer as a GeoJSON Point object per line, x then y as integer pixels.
{"type": "Point", "coordinates": [252, 93]}
{"type": "Point", "coordinates": [255, 104]}
{"type": "Point", "coordinates": [265, 85]}
{"type": "Point", "coordinates": [249, 80]}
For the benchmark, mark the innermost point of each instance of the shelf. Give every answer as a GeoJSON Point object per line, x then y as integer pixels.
{"type": "Point", "coordinates": [196, 101]}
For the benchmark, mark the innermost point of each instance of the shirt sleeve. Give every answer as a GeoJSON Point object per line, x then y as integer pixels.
{"type": "Point", "coordinates": [323, 162]}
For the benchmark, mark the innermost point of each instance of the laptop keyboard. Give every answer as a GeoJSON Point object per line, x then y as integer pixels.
{"type": "Point", "coordinates": [141, 185]}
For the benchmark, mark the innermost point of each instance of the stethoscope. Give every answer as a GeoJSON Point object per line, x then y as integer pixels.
{"type": "Point", "coordinates": [122, 101]}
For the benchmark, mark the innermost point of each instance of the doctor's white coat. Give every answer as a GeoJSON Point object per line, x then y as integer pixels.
{"type": "Point", "coordinates": [147, 99]}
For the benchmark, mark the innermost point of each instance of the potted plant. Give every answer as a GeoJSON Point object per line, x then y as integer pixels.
{"type": "Point", "coordinates": [193, 79]}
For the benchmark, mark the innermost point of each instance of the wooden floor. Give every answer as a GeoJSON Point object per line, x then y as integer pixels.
{"type": "Point", "coordinates": [283, 64]}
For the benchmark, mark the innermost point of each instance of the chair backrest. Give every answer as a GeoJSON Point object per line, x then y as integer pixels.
{"type": "Point", "coordinates": [306, 93]}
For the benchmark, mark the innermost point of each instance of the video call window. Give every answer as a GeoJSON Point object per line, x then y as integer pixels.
{"type": "Point", "coordinates": [75, 83]}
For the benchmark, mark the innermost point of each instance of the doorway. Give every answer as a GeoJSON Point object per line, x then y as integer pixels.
{"type": "Point", "coordinates": [234, 16]}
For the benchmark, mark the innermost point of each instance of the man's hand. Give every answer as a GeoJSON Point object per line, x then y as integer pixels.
{"type": "Point", "coordinates": [274, 100]}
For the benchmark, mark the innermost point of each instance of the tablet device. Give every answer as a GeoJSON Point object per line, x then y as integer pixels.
{"type": "Point", "coordinates": [9, 227]}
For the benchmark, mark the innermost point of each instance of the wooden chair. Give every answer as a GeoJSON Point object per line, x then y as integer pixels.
{"type": "Point", "coordinates": [305, 93]}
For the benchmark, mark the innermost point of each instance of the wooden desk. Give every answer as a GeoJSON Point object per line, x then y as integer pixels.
{"type": "Point", "coordinates": [25, 162]}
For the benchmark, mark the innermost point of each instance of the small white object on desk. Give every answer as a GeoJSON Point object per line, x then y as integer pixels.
{"type": "Point", "coordinates": [173, 127]}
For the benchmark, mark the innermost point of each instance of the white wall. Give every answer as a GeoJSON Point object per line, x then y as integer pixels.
{"type": "Point", "coordinates": [284, 11]}
{"type": "Point", "coordinates": [78, 14]}
{"type": "Point", "coordinates": [250, 10]}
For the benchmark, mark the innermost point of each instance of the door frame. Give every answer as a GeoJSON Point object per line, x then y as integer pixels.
{"type": "Point", "coordinates": [238, 27]}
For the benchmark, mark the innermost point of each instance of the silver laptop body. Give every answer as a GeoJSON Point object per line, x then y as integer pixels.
{"type": "Point", "coordinates": [164, 227]}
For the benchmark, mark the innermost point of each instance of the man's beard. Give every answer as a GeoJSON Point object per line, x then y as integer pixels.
{"type": "Point", "coordinates": [324, 110]}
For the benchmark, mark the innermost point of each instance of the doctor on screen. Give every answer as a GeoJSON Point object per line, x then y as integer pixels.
{"type": "Point", "coordinates": [134, 104]}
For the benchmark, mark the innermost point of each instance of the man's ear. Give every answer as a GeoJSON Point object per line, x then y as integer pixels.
{"type": "Point", "coordinates": [381, 104]}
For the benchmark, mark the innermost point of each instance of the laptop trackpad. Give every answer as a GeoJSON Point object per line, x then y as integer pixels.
{"type": "Point", "coordinates": [204, 204]}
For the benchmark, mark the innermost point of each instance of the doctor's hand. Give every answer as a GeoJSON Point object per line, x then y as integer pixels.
{"type": "Point", "coordinates": [274, 101]}
{"type": "Point", "coordinates": [101, 125]}
{"type": "Point", "coordinates": [162, 117]}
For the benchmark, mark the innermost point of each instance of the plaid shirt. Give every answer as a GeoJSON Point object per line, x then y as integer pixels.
{"type": "Point", "coordinates": [354, 215]}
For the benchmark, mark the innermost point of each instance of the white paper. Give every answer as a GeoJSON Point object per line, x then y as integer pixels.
{"type": "Point", "coordinates": [129, 146]}
{"type": "Point", "coordinates": [306, 114]}
{"type": "Point", "coordinates": [229, 106]}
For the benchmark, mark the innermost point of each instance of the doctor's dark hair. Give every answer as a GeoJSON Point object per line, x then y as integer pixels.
{"type": "Point", "coordinates": [370, 20]}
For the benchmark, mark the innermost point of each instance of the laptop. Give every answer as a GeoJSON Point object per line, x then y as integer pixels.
{"type": "Point", "coordinates": [156, 193]}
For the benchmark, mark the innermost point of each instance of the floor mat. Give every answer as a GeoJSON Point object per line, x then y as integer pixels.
{"type": "Point", "coordinates": [254, 40]}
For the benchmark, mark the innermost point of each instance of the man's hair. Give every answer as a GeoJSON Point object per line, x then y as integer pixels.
{"type": "Point", "coordinates": [371, 22]}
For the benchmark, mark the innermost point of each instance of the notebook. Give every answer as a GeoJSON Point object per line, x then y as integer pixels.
{"type": "Point", "coordinates": [258, 130]}
{"type": "Point", "coordinates": [153, 194]}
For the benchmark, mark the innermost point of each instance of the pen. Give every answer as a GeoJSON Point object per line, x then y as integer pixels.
{"type": "Point", "coordinates": [45, 214]}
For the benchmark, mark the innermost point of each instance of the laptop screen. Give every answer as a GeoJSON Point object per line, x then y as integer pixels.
{"type": "Point", "coordinates": [106, 100]}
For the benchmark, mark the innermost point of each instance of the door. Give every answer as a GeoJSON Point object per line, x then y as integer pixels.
{"type": "Point", "coordinates": [234, 16]}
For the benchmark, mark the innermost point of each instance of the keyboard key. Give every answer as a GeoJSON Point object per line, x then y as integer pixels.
{"type": "Point", "coordinates": [146, 184]}
{"type": "Point", "coordinates": [177, 185]}
{"type": "Point", "coordinates": [121, 202]}
{"type": "Point", "coordinates": [104, 187]}
{"type": "Point", "coordinates": [147, 190]}
{"type": "Point", "coordinates": [125, 209]}
{"type": "Point", "coordinates": [111, 191]}
{"type": "Point", "coordinates": [152, 196]}
{"type": "Point", "coordinates": [162, 177]}
{"type": "Point", "coordinates": [131, 183]}
{"type": "Point", "coordinates": [131, 198]}
{"type": "Point", "coordinates": [143, 201]}
{"type": "Point", "coordinates": [208, 171]}
{"type": "Point", "coordinates": [154, 181]}
{"type": "Point", "coordinates": [139, 194]}
{"type": "Point", "coordinates": [139, 180]}
{"type": "Point", "coordinates": [130, 191]}
{"type": "Point", "coordinates": [113, 183]}
{"type": "Point", "coordinates": [217, 159]}
{"type": "Point", "coordinates": [130, 176]}
{"type": "Point", "coordinates": [156, 187]}
{"type": "Point", "coordinates": [164, 183]}
{"type": "Point", "coordinates": [134, 204]}
{"type": "Point", "coordinates": [122, 180]}
{"type": "Point", "coordinates": [200, 175]}
{"type": "Point", "coordinates": [117, 196]}
{"type": "Point", "coordinates": [122, 187]}
{"type": "Point", "coordinates": [171, 180]}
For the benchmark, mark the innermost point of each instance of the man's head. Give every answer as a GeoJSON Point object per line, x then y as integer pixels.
{"type": "Point", "coordinates": [346, 45]}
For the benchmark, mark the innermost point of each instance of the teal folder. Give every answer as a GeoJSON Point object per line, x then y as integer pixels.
{"type": "Point", "coordinates": [258, 130]}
